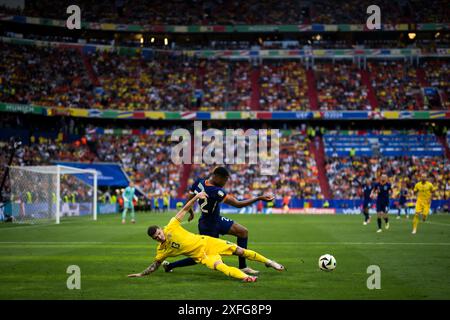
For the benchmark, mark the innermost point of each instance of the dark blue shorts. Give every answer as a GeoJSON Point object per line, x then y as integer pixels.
{"type": "Point", "coordinates": [366, 204]}
{"type": "Point", "coordinates": [402, 201]}
{"type": "Point", "coordinates": [382, 206]}
{"type": "Point", "coordinates": [215, 228]}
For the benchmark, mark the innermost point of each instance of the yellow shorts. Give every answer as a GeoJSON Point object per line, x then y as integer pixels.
{"type": "Point", "coordinates": [423, 207]}
{"type": "Point", "coordinates": [214, 249]}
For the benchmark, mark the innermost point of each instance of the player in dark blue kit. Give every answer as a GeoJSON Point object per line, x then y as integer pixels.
{"type": "Point", "coordinates": [403, 194]}
{"type": "Point", "coordinates": [211, 223]}
{"type": "Point", "coordinates": [367, 192]}
{"type": "Point", "coordinates": [383, 189]}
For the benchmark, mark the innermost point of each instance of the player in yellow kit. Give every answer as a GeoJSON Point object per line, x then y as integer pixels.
{"type": "Point", "coordinates": [175, 240]}
{"type": "Point", "coordinates": [424, 191]}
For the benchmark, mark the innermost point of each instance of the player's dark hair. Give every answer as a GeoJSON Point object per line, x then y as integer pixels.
{"type": "Point", "coordinates": [221, 171]}
{"type": "Point", "coordinates": [151, 230]}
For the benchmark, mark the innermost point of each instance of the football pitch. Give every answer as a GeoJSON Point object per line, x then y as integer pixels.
{"type": "Point", "coordinates": [34, 260]}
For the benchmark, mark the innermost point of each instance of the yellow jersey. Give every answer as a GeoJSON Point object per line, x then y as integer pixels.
{"type": "Point", "coordinates": [179, 241]}
{"type": "Point", "coordinates": [424, 191]}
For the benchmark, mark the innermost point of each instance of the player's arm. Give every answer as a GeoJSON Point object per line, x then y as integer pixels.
{"type": "Point", "coordinates": [373, 193]}
{"type": "Point", "coordinates": [188, 206]}
{"type": "Point", "coordinates": [191, 210]}
{"type": "Point", "coordinates": [232, 201]}
{"type": "Point", "coordinates": [150, 269]}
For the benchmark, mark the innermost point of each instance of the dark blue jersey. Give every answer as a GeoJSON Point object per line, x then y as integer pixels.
{"type": "Point", "coordinates": [210, 207]}
{"type": "Point", "coordinates": [383, 191]}
{"type": "Point", "coordinates": [403, 194]}
{"type": "Point", "coordinates": [367, 190]}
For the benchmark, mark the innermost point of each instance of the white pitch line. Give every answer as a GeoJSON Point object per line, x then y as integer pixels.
{"type": "Point", "coordinates": [69, 243]}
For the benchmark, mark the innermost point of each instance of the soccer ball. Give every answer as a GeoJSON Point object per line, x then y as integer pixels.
{"type": "Point", "coordinates": [327, 262]}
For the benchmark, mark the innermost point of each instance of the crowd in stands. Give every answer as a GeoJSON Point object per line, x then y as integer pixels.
{"type": "Point", "coordinates": [129, 83]}
{"type": "Point", "coordinates": [340, 87]}
{"type": "Point", "coordinates": [145, 158]}
{"type": "Point", "coordinates": [396, 85]}
{"type": "Point", "coordinates": [297, 175]}
{"type": "Point", "coordinates": [43, 76]}
{"type": "Point", "coordinates": [347, 175]}
{"type": "Point", "coordinates": [223, 12]}
{"type": "Point", "coordinates": [283, 86]}
{"type": "Point", "coordinates": [224, 85]}
{"type": "Point", "coordinates": [167, 82]}
{"type": "Point", "coordinates": [437, 74]}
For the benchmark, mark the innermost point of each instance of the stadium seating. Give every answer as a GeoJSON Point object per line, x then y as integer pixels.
{"type": "Point", "coordinates": [437, 75]}
{"type": "Point", "coordinates": [249, 12]}
{"type": "Point", "coordinates": [129, 83]}
{"type": "Point", "coordinates": [297, 176]}
{"type": "Point", "coordinates": [167, 82]}
{"type": "Point", "coordinates": [401, 155]}
{"type": "Point", "coordinates": [29, 74]}
{"type": "Point", "coordinates": [146, 159]}
{"type": "Point", "coordinates": [396, 85]}
{"type": "Point", "coordinates": [283, 86]}
{"type": "Point", "coordinates": [340, 87]}
{"type": "Point", "coordinates": [387, 144]}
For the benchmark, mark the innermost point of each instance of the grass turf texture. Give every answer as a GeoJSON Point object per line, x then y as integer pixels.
{"type": "Point", "coordinates": [34, 259]}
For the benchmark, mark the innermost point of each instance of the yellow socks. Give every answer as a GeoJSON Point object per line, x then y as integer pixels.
{"type": "Point", "coordinates": [231, 271]}
{"type": "Point", "coordinates": [255, 256]}
{"type": "Point", "coordinates": [415, 222]}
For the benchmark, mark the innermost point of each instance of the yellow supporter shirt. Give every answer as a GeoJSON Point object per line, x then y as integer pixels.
{"type": "Point", "coordinates": [179, 241]}
{"type": "Point", "coordinates": [424, 191]}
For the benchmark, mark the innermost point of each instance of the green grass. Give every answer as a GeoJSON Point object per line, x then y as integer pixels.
{"type": "Point", "coordinates": [34, 259]}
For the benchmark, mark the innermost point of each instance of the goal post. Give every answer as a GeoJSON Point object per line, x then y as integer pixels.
{"type": "Point", "coordinates": [51, 193]}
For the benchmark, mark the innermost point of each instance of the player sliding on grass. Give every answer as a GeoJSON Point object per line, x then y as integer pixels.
{"type": "Point", "coordinates": [211, 223]}
{"type": "Point", "coordinates": [175, 240]}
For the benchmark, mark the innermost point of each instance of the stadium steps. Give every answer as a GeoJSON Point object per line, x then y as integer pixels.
{"type": "Point", "coordinates": [312, 90]}
{"type": "Point", "coordinates": [365, 78]}
{"type": "Point", "coordinates": [90, 70]}
{"type": "Point", "coordinates": [319, 156]}
{"type": "Point", "coordinates": [256, 90]}
{"type": "Point", "coordinates": [420, 74]}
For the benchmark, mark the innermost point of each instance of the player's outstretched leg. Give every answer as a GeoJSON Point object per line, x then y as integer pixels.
{"type": "Point", "coordinates": [242, 239]}
{"type": "Point", "coordinates": [168, 267]}
{"type": "Point", "coordinates": [255, 256]}
{"type": "Point", "coordinates": [124, 214]}
{"type": "Point", "coordinates": [215, 263]}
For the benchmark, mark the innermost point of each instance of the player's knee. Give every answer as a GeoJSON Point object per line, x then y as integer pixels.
{"type": "Point", "coordinates": [243, 233]}
{"type": "Point", "coordinates": [239, 251]}
{"type": "Point", "coordinates": [215, 264]}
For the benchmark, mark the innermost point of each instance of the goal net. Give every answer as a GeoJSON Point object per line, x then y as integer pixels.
{"type": "Point", "coordinates": [51, 193]}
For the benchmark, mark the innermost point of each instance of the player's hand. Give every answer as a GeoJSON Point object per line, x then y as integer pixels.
{"type": "Point", "coordinates": [267, 197]}
{"type": "Point", "coordinates": [135, 275]}
{"type": "Point", "coordinates": [202, 195]}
